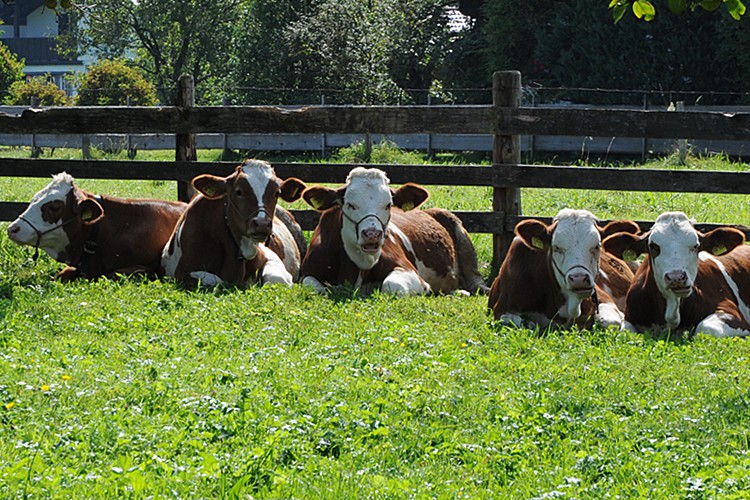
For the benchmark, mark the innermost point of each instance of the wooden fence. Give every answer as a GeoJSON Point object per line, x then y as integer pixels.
{"type": "Point", "coordinates": [505, 120]}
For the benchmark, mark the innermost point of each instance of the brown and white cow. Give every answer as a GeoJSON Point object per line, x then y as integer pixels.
{"type": "Point", "coordinates": [556, 274]}
{"type": "Point", "coordinates": [95, 235]}
{"type": "Point", "coordinates": [233, 232]}
{"type": "Point", "coordinates": [367, 237]}
{"type": "Point", "coordinates": [689, 280]}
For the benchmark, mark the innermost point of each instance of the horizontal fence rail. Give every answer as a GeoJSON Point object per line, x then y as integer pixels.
{"type": "Point", "coordinates": [504, 121]}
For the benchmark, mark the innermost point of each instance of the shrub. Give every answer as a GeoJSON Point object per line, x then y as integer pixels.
{"type": "Point", "coordinates": [11, 69]}
{"type": "Point", "coordinates": [21, 92]}
{"type": "Point", "coordinates": [111, 83]}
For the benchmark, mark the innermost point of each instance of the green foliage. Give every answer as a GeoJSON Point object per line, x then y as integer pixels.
{"type": "Point", "coordinates": [360, 52]}
{"type": "Point", "coordinates": [169, 37]}
{"type": "Point", "coordinates": [112, 83]}
{"type": "Point", "coordinates": [644, 9]}
{"type": "Point", "coordinates": [571, 44]}
{"type": "Point", "coordinates": [21, 92]}
{"type": "Point", "coordinates": [11, 68]}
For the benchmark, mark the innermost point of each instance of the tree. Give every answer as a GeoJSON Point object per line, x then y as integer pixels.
{"type": "Point", "coordinates": [166, 38]}
{"type": "Point", "coordinates": [361, 51]}
{"type": "Point", "coordinates": [11, 68]}
{"type": "Point", "coordinates": [114, 83]}
{"type": "Point", "coordinates": [644, 9]}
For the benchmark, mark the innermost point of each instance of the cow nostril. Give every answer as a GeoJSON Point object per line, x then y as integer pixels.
{"type": "Point", "coordinates": [372, 234]}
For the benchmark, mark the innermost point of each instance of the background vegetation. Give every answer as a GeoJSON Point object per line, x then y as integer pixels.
{"type": "Point", "coordinates": [396, 51]}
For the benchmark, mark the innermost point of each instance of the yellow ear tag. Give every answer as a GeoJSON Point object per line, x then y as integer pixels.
{"type": "Point", "coordinates": [629, 254]}
{"type": "Point", "coordinates": [209, 192]}
{"type": "Point", "coordinates": [87, 215]}
{"type": "Point", "coordinates": [407, 206]}
{"type": "Point", "coordinates": [316, 202]}
{"type": "Point", "coordinates": [719, 250]}
{"type": "Point", "coordinates": [537, 242]}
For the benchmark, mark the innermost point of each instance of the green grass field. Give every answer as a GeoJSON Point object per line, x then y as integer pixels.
{"type": "Point", "coordinates": [137, 389]}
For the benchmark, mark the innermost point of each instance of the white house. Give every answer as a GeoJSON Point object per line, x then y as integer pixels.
{"type": "Point", "coordinates": [29, 30]}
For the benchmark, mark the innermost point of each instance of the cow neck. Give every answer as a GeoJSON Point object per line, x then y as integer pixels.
{"type": "Point", "coordinates": [91, 243]}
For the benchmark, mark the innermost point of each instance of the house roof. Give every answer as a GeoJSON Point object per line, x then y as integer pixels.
{"type": "Point", "coordinates": [8, 9]}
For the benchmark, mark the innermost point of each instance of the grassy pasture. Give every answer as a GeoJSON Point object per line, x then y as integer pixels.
{"type": "Point", "coordinates": [141, 389]}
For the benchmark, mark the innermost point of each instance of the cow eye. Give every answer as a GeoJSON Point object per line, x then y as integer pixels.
{"type": "Point", "coordinates": [696, 247]}
{"type": "Point", "coordinates": [389, 206]}
{"type": "Point", "coordinates": [557, 249]}
{"type": "Point", "coordinates": [653, 249]}
{"type": "Point", "coordinates": [238, 192]}
{"type": "Point", "coordinates": [350, 206]}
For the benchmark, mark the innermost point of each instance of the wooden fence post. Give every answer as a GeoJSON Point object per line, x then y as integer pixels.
{"type": "Point", "coordinates": [506, 149]}
{"type": "Point", "coordinates": [185, 143]}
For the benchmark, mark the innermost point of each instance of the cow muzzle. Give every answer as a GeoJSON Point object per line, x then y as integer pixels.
{"type": "Point", "coordinates": [678, 283]}
{"type": "Point", "coordinates": [260, 227]}
{"type": "Point", "coordinates": [580, 282]}
{"type": "Point", "coordinates": [369, 236]}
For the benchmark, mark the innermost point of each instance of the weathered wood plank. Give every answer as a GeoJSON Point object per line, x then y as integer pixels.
{"type": "Point", "coordinates": [467, 175]}
{"type": "Point", "coordinates": [251, 119]}
{"type": "Point", "coordinates": [625, 179]}
{"type": "Point", "coordinates": [623, 123]}
{"type": "Point", "coordinates": [381, 119]}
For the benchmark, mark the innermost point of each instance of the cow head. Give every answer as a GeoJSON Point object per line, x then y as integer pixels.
{"type": "Point", "coordinates": [673, 247]}
{"type": "Point", "coordinates": [365, 202]}
{"type": "Point", "coordinates": [55, 217]}
{"type": "Point", "coordinates": [573, 243]}
{"type": "Point", "coordinates": [250, 195]}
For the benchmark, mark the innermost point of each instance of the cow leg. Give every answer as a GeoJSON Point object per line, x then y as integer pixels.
{"type": "Point", "coordinates": [206, 279]}
{"type": "Point", "coordinates": [608, 314]}
{"type": "Point", "coordinates": [312, 282]}
{"type": "Point", "coordinates": [722, 324]}
{"type": "Point", "coordinates": [68, 273]}
{"type": "Point", "coordinates": [274, 271]}
{"type": "Point", "coordinates": [402, 282]}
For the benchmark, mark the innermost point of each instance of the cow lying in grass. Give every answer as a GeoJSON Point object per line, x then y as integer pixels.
{"type": "Point", "coordinates": [689, 281]}
{"type": "Point", "coordinates": [233, 233]}
{"type": "Point", "coordinates": [371, 236]}
{"type": "Point", "coordinates": [95, 235]}
{"type": "Point", "coordinates": [556, 275]}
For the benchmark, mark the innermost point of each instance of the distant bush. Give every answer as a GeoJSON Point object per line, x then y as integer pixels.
{"type": "Point", "coordinates": [11, 68]}
{"type": "Point", "coordinates": [111, 83]}
{"type": "Point", "coordinates": [21, 92]}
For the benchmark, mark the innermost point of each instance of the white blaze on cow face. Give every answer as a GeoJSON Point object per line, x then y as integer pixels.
{"type": "Point", "coordinates": [366, 211]}
{"type": "Point", "coordinates": [673, 246]}
{"type": "Point", "coordinates": [251, 194]}
{"type": "Point", "coordinates": [575, 248]}
{"type": "Point", "coordinates": [41, 224]}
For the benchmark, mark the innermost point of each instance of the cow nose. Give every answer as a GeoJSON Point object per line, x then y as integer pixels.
{"type": "Point", "coordinates": [676, 279]}
{"type": "Point", "coordinates": [13, 229]}
{"type": "Point", "coordinates": [262, 224]}
{"type": "Point", "coordinates": [579, 280]}
{"type": "Point", "coordinates": [372, 234]}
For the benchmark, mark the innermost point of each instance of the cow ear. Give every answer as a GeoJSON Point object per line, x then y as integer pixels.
{"type": "Point", "coordinates": [534, 233]}
{"type": "Point", "coordinates": [90, 210]}
{"type": "Point", "coordinates": [625, 245]}
{"type": "Point", "coordinates": [409, 196]}
{"type": "Point", "coordinates": [211, 186]}
{"type": "Point", "coordinates": [620, 226]}
{"type": "Point", "coordinates": [721, 240]}
{"type": "Point", "coordinates": [322, 198]}
{"type": "Point", "coordinates": [291, 189]}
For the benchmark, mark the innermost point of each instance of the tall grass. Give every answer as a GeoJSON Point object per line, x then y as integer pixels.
{"type": "Point", "coordinates": [138, 389]}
